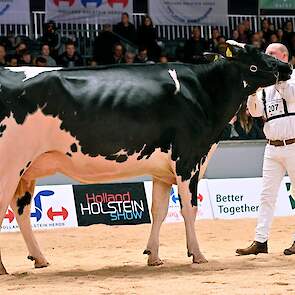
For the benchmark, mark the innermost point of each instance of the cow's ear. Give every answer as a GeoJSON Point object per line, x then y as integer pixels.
{"type": "Point", "coordinates": [233, 48]}
{"type": "Point", "coordinates": [211, 57]}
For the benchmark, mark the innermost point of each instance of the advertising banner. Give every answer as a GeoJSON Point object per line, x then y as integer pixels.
{"type": "Point", "coordinates": [277, 4]}
{"type": "Point", "coordinates": [87, 11]}
{"type": "Point", "coordinates": [174, 214]}
{"type": "Point", "coordinates": [112, 204]}
{"type": "Point", "coordinates": [15, 12]}
{"type": "Point", "coordinates": [52, 207]}
{"type": "Point", "coordinates": [239, 198]}
{"type": "Point", "coordinates": [189, 12]}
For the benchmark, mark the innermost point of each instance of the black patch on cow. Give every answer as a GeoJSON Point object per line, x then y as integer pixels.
{"type": "Point", "coordinates": [193, 186]}
{"type": "Point", "coordinates": [28, 164]}
{"type": "Point", "coordinates": [133, 107]}
{"type": "Point", "coordinates": [22, 202]}
{"type": "Point", "coordinates": [2, 129]}
{"type": "Point", "coordinates": [74, 148]}
{"type": "Point", "coordinates": [21, 172]}
{"type": "Point", "coordinates": [180, 201]}
{"type": "Point", "coordinates": [69, 154]}
{"type": "Point", "coordinates": [121, 158]}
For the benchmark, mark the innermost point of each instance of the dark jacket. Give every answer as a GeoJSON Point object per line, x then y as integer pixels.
{"type": "Point", "coordinates": [193, 50]}
{"type": "Point", "coordinates": [127, 32]}
{"type": "Point", "coordinates": [65, 61]}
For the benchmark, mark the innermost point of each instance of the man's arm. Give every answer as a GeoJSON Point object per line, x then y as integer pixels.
{"type": "Point", "coordinates": [255, 104]}
{"type": "Point", "coordinates": [287, 89]}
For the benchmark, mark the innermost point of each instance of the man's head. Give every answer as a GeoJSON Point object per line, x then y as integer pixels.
{"type": "Point", "coordinates": [41, 62]}
{"type": "Point", "coordinates": [278, 51]}
{"type": "Point", "coordinates": [70, 48]}
{"type": "Point", "coordinates": [196, 33]}
{"type": "Point", "coordinates": [45, 50]}
{"type": "Point", "coordinates": [20, 47]}
{"type": "Point", "coordinates": [118, 50]}
{"type": "Point", "coordinates": [2, 52]}
{"type": "Point", "coordinates": [125, 18]}
{"type": "Point", "coordinates": [142, 54]}
{"type": "Point", "coordinates": [26, 57]}
{"type": "Point", "coordinates": [129, 57]}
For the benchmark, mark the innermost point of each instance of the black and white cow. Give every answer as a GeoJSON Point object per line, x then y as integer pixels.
{"type": "Point", "coordinates": [112, 122]}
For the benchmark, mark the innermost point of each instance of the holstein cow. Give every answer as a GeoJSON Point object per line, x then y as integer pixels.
{"type": "Point", "coordinates": [113, 122]}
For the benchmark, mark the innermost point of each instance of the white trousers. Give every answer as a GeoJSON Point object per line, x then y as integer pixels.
{"type": "Point", "coordinates": [277, 160]}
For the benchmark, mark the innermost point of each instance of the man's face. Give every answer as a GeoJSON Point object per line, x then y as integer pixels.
{"type": "Point", "coordinates": [45, 50]}
{"type": "Point", "coordinates": [70, 50]}
{"type": "Point", "coordinates": [2, 52]}
{"type": "Point", "coordinates": [129, 58]}
{"type": "Point", "coordinates": [27, 58]}
{"type": "Point", "coordinates": [142, 55]}
{"type": "Point", "coordinates": [275, 51]}
{"type": "Point", "coordinates": [118, 51]}
{"type": "Point", "coordinates": [125, 19]}
{"type": "Point", "coordinates": [196, 33]}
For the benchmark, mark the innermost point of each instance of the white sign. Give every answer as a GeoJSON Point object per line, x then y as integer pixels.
{"type": "Point", "coordinates": [240, 198]}
{"type": "Point", "coordinates": [15, 12]}
{"type": "Point", "coordinates": [189, 12]}
{"type": "Point", "coordinates": [174, 210]}
{"type": "Point", "coordinates": [51, 207]}
{"type": "Point", "coordinates": [87, 11]}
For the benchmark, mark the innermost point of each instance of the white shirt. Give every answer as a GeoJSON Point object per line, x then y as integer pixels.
{"type": "Point", "coordinates": [278, 128]}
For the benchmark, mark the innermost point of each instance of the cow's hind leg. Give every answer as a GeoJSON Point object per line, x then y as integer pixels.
{"type": "Point", "coordinates": [160, 202]}
{"type": "Point", "coordinates": [21, 205]}
{"type": "Point", "coordinates": [189, 213]}
{"type": "Point", "coordinates": [3, 209]}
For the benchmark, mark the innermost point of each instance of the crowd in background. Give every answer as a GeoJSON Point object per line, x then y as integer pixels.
{"type": "Point", "coordinates": [108, 48]}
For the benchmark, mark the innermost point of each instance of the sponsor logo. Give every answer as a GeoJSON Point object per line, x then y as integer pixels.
{"type": "Point", "coordinates": [112, 2]}
{"type": "Point", "coordinates": [38, 208]}
{"type": "Point", "coordinates": [291, 198]}
{"type": "Point", "coordinates": [85, 2]}
{"type": "Point", "coordinates": [111, 204]}
{"type": "Point", "coordinates": [70, 2]}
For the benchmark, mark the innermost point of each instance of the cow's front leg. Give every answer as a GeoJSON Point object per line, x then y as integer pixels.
{"type": "Point", "coordinates": [189, 213]}
{"type": "Point", "coordinates": [21, 206]}
{"type": "Point", "coordinates": [160, 202]}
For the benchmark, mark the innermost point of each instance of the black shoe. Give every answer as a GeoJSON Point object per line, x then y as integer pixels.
{"type": "Point", "coordinates": [291, 250]}
{"type": "Point", "coordinates": [254, 248]}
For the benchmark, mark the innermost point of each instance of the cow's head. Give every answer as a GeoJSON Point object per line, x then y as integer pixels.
{"type": "Point", "coordinates": [258, 69]}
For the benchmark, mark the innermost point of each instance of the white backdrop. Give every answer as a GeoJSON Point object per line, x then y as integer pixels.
{"type": "Point", "coordinates": [189, 12]}
{"type": "Point", "coordinates": [15, 12]}
{"type": "Point", "coordinates": [87, 11]}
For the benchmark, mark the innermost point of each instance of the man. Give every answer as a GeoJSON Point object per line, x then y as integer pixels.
{"type": "Point", "coordinates": [118, 54]}
{"type": "Point", "coordinates": [277, 105]}
{"type": "Point", "coordinates": [129, 57]}
{"type": "Point", "coordinates": [45, 53]}
{"type": "Point", "coordinates": [2, 56]}
{"type": "Point", "coordinates": [126, 29]}
{"type": "Point", "coordinates": [41, 62]}
{"type": "Point", "coordinates": [70, 58]}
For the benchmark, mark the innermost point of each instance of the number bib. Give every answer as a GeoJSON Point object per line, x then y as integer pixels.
{"type": "Point", "coordinates": [275, 107]}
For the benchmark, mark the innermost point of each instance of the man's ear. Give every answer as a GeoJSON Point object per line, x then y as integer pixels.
{"type": "Point", "coordinates": [211, 57]}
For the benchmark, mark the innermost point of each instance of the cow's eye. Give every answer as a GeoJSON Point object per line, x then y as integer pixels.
{"type": "Point", "coordinates": [253, 68]}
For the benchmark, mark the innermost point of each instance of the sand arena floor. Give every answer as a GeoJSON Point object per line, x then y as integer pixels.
{"type": "Point", "coordinates": [108, 260]}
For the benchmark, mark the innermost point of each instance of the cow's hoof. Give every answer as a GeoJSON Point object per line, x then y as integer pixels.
{"type": "Point", "coordinates": [39, 262]}
{"type": "Point", "coordinates": [155, 262]}
{"type": "Point", "coordinates": [199, 258]}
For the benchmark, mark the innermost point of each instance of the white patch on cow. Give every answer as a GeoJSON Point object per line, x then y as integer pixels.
{"type": "Point", "coordinates": [245, 83]}
{"type": "Point", "coordinates": [31, 72]}
{"type": "Point", "coordinates": [235, 43]}
{"type": "Point", "coordinates": [173, 75]}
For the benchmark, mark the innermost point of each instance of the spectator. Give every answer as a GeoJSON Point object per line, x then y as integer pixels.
{"type": "Point", "coordinates": [274, 38]}
{"type": "Point", "coordinates": [118, 54]}
{"type": "Point", "coordinates": [235, 35]}
{"type": "Point", "coordinates": [247, 30]}
{"type": "Point", "coordinates": [142, 56]}
{"type": "Point", "coordinates": [13, 61]}
{"type": "Point", "coordinates": [45, 53]}
{"type": "Point", "coordinates": [70, 58]}
{"type": "Point", "coordinates": [103, 45]}
{"type": "Point", "coordinates": [52, 37]}
{"type": "Point", "coordinates": [288, 33]}
{"type": "Point", "coordinates": [221, 46]}
{"type": "Point", "coordinates": [257, 41]}
{"type": "Point", "coordinates": [195, 47]}
{"type": "Point", "coordinates": [243, 126]}
{"type": "Point", "coordinates": [20, 47]}
{"type": "Point", "coordinates": [2, 55]}
{"type": "Point", "coordinates": [243, 36]}
{"type": "Point", "coordinates": [25, 58]}
{"type": "Point", "coordinates": [163, 59]}
{"type": "Point", "coordinates": [213, 43]}
{"type": "Point", "coordinates": [280, 35]}
{"type": "Point", "coordinates": [126, 29]}
{"type": "Point", "coordinates": [129, 57]}
{"type": "Point", "coordinates": [41, 61]}
{"type": "Point", "coordinates": [267, 32]}
{"type": "Point", "coordinates": [92, 63]}
{"type": "Point", "coordinates": [147, 37]}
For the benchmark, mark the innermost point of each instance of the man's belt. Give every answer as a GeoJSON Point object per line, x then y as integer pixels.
{"type": "Point", "coordinates": [281, 142]}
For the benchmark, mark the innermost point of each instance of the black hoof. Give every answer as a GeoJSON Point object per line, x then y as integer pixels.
{"type": "Point", "coordinates": [31, 258]}
{"type": "Point", "coordinates": [189, 254]}
{"type": "Point", "coordinates": [147, 252]}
